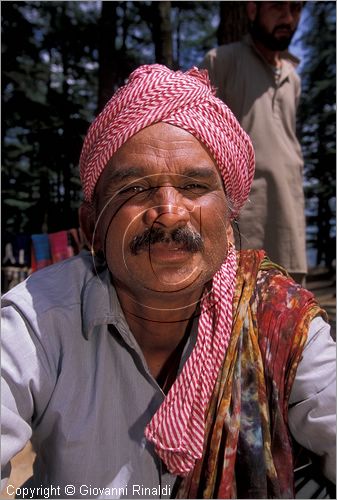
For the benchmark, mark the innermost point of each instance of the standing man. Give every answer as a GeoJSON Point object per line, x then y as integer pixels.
{"type": "Point", "coordinates": [256, 78]}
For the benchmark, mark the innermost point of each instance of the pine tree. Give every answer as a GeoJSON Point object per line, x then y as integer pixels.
{"type": "Point", "coordinates": [317, 123]}
{"type": "Point", "coordinates": [49, 96]}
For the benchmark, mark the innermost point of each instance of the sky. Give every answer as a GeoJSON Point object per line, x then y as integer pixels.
{"type": "Point", "coordinates": [296, 46]}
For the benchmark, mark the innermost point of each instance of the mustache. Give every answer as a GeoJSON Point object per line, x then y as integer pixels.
{"type": "Point", "coordinates": [283, 27]}
{"type": "Point", "coordinates": [190, 240]}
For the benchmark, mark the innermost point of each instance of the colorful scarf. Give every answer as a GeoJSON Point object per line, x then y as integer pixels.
{"type": "Point", "coordinates": [247, 449]}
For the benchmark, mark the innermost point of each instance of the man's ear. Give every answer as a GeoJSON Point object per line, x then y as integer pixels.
{"type": "Point", "coordinates": [251, 9]}
{"type": "Point", "coordinates": [230, 234]}
{"type": "Point", "coordinates": [87, 218]}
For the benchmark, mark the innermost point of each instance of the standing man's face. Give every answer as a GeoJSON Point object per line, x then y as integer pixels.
{"type": "Point", "coordinates": [274, 23]}
{"type": "Point", "coordinates": [163, 216]}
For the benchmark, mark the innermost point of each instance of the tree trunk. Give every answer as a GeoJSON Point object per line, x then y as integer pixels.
{"type": "Point", "coordinates": [64, 214]}
{"type": "Point", "coordinates": [162, 32]}
{"type": "Point", "coordinates": [233, 22]}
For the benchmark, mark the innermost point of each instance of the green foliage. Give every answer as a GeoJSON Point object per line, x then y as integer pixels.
{"type": "Point", "coordinates": [194, 31]}
{"type": "Point", "coordinates": [49, 95]}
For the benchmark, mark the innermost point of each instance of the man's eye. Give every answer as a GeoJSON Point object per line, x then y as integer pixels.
{"type": "Point", "coordinates": [277, 6]}
{"type": "Point", "coordinates": [132, 190]}
{"type": "Point", "coordinates": [296, 6]}
{"type": "Point", "coordinates": [195, 187]}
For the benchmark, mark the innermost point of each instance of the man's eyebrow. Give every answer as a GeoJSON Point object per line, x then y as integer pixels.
{"type": "Point", "coordinates": [203, 172]}
{"type": "Point", "coordinates": [130, 173]}
{"type": "Point", "coordinates": [126, 173]}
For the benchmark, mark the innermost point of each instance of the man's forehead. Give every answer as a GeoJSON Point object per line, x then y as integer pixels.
{"type": "Point", "coordinates": [161, 148]}
{"type": "Point", "coordinates": [162, 136]}
{"type": "Point", "coordinates": [122, 173]}
{"type": "Point", "coordinates": [282, 4]}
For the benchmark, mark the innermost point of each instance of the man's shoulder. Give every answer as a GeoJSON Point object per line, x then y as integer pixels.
{"type": "Point", "coordinates": [290, 69]}
{"type": "Point", "coordinates": [279, 298]}
{"type": "Point", "coordinates": [271, 285]}
{"type": "Point", "coordinates": [58, 285]}
{"type": "Point", "coordinates": [225, 50]}
{"type": "Point", "coordinates": [290, 58]}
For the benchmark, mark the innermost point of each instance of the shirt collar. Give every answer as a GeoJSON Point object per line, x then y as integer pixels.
{"type": "Point", "coordinates": [100, 304]}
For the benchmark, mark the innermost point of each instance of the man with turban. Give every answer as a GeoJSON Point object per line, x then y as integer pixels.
{"type": "Point", "coordinates": [165, 362]}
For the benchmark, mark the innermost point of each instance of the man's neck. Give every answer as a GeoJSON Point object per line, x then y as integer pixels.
{"type": "Point", "coordinates": [273, 57]}
{"type": "Point", "coordinates": [160, 326]}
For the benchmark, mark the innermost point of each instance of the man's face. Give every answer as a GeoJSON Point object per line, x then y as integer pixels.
{"type": "Point", "coordinates": [274, 23]}
{"type": "Point", "coordinates": [163, 219]}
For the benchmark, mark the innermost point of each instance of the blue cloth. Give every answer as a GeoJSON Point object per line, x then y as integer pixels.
{"type": "Point", "coordinates": [41, 247]}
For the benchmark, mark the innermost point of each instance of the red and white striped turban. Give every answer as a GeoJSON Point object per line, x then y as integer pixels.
{"type": "Point", "coordinates": [187, 100]}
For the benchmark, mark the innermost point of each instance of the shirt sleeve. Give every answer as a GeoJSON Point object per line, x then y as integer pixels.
{"type": "Point", "coordinates": [312, 410]}
{"type": "Point", "coordinates": [26, 384]}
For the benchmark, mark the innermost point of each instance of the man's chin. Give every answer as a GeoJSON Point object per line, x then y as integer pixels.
{"type": "Point", "coordinates": [280, 39]}
{"type": "Point", "coordinates": [271, 41]}
{"type": "Point", "coordinates": [281, 43]}
{"type": "Point", "coordinates": [173, 279]}
{"type": "Point", "coordinates": [172, 276]}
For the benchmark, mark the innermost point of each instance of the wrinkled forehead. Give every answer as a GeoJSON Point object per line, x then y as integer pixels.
{"type": "Point", "coordinates": [163, 140]}
{"type": "Point", "coordinates": [158, 152]}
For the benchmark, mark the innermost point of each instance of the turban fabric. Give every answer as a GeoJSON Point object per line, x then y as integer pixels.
{"type": "Point", "coordinates": [154, 94]}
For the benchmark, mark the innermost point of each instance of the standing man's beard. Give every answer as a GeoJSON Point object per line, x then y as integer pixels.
{"type": "Point", "coordinates": [269, 40]}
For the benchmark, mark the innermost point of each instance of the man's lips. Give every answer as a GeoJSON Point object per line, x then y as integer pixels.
{"type": "Point", "coordinates": [181, 239]}
{"type": "Point", "coordinates": [283, 31]}
{"type": "Point", "coordinates": [167, 251]}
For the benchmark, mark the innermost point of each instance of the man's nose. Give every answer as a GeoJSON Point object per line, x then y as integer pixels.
{"type": "Point", "coordinates": [287, 14]}
{"type": "Point", "coordinates": [168, 208]}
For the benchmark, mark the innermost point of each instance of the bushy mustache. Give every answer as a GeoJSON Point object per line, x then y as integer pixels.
{"type": "Point", "coordinates": [283, 27]}
{"type": "Point", "coordinates": [191, 240]}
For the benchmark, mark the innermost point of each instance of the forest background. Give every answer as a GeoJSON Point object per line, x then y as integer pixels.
{"type": "Point", "coordinates": [62, 61]}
